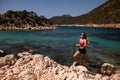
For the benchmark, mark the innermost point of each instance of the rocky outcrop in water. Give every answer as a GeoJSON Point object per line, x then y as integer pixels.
{"type": "Point", "coordinates": [40, 67]}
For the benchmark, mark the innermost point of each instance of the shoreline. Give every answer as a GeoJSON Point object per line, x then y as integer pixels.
{"type": "Point", "coordinates": [93, 25]}
{"type": "Point", "coordinates": [2, 28]}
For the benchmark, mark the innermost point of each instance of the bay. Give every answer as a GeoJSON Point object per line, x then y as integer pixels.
{"type": "Point", "coordinates": [57, 43]}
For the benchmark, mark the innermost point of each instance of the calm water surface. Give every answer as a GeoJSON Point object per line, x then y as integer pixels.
{"type": "Point", "coordinates": [104, 42]}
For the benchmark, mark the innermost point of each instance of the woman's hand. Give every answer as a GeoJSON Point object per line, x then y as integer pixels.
{"type": "Point", "coordinates": [77, 45]}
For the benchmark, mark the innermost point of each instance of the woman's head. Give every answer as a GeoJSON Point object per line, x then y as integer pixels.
{"type": "Point", "coordinates": [83, 35]}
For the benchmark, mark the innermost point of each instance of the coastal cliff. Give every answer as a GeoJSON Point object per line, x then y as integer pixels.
{"type": "Point", "coordinates": [40, 67]}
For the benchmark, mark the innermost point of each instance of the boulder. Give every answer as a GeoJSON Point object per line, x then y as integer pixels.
{"type": "Point", "coordinates": [7, 60]}
{"type": "Point", "coordinates": [1, 53]}
{"type": "Point", "coordinates": [110, 69]}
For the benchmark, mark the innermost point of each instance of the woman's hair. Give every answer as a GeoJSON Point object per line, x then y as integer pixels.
{"type": "Point", "coordinates": [85, 37]}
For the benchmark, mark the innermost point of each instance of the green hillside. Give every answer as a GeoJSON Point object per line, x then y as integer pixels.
{"type": "Point", "coordinates": [107, 13]}
{"type": "Point", "coordinates": [22, 19]}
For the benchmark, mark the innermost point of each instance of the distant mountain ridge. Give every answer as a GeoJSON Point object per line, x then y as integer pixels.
{"type": "Point", "coordinates": [107, 13]}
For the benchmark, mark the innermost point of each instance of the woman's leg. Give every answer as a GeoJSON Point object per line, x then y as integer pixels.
{"type": "Point", "coordinates": [77, 53]}
{"type": "Point", "coordinates": [84, 59]}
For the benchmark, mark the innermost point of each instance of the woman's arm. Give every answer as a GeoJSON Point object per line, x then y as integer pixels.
{"type": "Point", "coordinates": [77, 45]}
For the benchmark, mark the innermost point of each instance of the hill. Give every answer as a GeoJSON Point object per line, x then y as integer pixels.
{"type": "Point", "coordinates": [107, 13]}
{"type": "Point", "coordinates": [23, 20]}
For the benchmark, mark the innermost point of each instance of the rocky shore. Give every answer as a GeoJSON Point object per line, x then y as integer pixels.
{"type": "Point", "coordinates": [40, 67]}
{"type": "Point", "coordinates": [96, 25]}
{"type": "Point", "coordinates": [27, 28]}
{"type": "Point", "coordinates": [105, 25]}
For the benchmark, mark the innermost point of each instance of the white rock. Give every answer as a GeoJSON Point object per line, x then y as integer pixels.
{"type": "Point", "coordinates": [26, 75]}
{"type": "Point", "coordinates": [1, 51]}
{"type": "Point", "coordinates": [16, 70]}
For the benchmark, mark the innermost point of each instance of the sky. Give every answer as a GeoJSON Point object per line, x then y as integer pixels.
{"type": "Point", "coordinates": [50, 8]}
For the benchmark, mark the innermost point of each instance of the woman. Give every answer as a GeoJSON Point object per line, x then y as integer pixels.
{"type": "Point", "coordinates": [82, 49]}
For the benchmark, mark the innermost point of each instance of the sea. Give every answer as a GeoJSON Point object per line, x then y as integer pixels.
{"type": "Point", "coordinates": [58, 43]}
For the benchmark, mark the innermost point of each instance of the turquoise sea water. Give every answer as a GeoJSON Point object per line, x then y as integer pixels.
{"type": "Point", "coordinates": [104, 42]}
